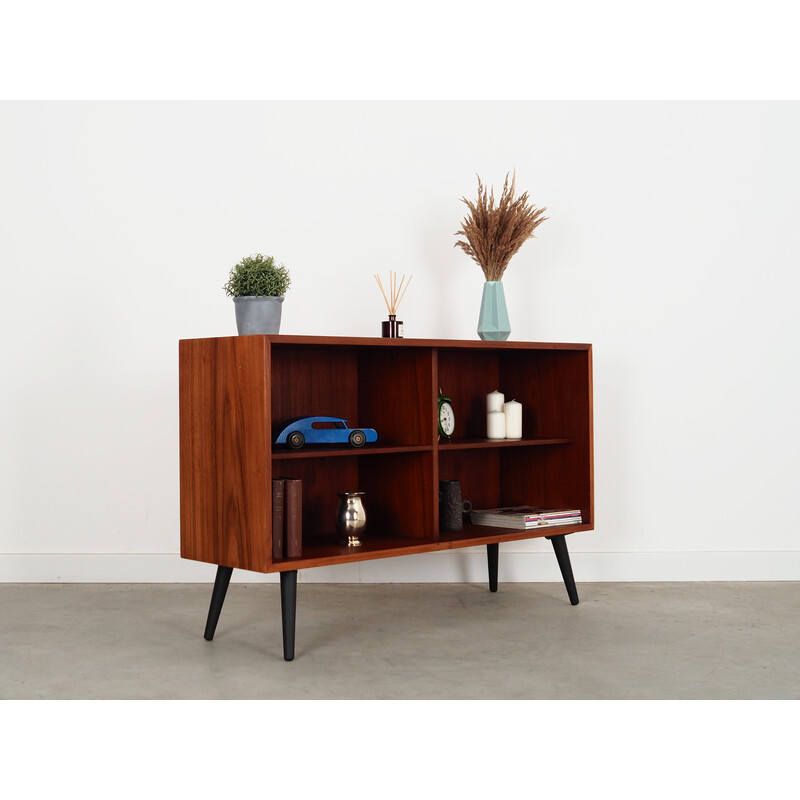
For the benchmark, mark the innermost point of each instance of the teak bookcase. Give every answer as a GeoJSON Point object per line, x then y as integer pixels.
{"type": "Point", "coordinates": [237, 392]}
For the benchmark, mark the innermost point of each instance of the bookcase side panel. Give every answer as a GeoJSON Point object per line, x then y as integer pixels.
{"type": "Point", "coordinates": [224, 471]}
{"type": "Point", "coordinates": [590, 433]}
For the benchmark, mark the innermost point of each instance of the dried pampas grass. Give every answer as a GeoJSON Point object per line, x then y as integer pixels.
{"type": "Point", "coordinates": [495, 233]}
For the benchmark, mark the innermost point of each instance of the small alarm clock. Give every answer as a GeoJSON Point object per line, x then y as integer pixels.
{"type": "Point", "coordinates": [447, 419]}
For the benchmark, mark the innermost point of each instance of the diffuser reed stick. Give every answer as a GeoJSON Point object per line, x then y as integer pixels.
{"type": "Point", "coordinates": [396, 293]}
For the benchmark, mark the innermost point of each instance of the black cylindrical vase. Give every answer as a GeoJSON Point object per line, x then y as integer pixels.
{"type": "Point", "coordinates": [451, 507]}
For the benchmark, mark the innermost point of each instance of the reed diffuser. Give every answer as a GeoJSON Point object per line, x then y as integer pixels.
{"type": "Point", "coordinates": [392, 328]}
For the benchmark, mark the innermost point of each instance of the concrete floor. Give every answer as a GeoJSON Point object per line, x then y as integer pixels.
{"type": "Point", "coordinates": [402, 641]}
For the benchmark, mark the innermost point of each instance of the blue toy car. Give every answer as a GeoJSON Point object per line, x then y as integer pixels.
{"type": "Point", "coordinates": [324, 430]}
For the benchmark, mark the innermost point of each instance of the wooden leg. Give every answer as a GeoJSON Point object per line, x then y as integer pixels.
{"type": "Point", "coordinates": [492, 556]}
{"type": "Point", "coordinates": [288, 611]}
{"type": "Point", "coordinates": [217, 599]}
{"type": "Point", "coordinates": [562, 555]}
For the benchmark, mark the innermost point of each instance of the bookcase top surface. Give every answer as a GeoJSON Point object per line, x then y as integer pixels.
{"type": "Point", "coordinates": [377, 341]}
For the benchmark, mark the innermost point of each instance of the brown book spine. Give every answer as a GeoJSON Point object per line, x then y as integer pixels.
{"type": "Point", "coordinates": [294, 517]}
{"type": "Point", "coordinates": [278, 514]}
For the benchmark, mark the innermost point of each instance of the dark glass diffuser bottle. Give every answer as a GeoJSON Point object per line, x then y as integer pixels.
{"type": "Point", "coordinates": [392, 328]}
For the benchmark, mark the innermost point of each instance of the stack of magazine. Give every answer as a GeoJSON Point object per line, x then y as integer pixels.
{"type": "Point", "coordinates": [525, 517]}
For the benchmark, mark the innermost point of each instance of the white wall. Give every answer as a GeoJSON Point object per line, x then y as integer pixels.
{"type": "Point", "coordinates": [672, 246]}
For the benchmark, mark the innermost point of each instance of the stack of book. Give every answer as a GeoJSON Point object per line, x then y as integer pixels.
{"type": "Point", "coordinates": [525, 517]}
{"type": "Point", "coordinates": [287, 518]}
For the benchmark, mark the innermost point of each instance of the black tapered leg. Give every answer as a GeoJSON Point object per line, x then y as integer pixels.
{"type": "Point", "coordinates": [288, 611]}
{"type": "Point", "coordinates": [492, 556]}
{"type": "Point", "coordinates": [217, 599]}
{"type": "Point", "coordinates": [562, 555]}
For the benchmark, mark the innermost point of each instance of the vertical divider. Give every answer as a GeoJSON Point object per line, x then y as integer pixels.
{"type": "Point", "coordinates": [435, 440]}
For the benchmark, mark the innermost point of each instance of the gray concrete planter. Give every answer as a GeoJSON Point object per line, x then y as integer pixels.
{"type": "Point", "coordinates": [256, 315]}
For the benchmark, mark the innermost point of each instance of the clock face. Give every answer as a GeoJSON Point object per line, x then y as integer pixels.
{"type": "Point", "coordinates": [447, 420]}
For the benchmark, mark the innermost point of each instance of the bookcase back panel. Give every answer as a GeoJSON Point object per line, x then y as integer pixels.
{"type": "Point", "coordinates": [398, 495]}
{"type": "Point", "coordinates": [395, 394]}
{"type": "Point", "coordinates": [396, 487]}
{"type": "Point", "coordinates": [323, 479]}
{"type": "Point", "coordinates": [553, 387]}
{"type": "Point", "coordinates": [313, 381]}
{"type": "Point", "coordinates": [478, 472]}
{"type": "Point", "coordinates": [551, 477]}
{"type": "Point", "coordinates": [556, 387]}
{"type": "Point", "coordinates": [467, 376]}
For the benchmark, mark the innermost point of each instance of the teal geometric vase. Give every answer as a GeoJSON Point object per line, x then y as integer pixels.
{"type": "Point", "coordinates": [493, 324]}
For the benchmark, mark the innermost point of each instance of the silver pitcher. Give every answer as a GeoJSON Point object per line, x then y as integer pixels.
{"type": "Point", "coordinates": [351, 518]}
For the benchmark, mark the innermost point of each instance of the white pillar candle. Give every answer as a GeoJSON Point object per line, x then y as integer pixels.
{"type": "Point", "coordinates": [495, 425]}
{"type": "Point", "coordinates": [513, 412]}
{"type": "Point", "coordinates": [494, 401]}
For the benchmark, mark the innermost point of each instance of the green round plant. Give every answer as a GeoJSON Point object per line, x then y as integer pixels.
{"type": "Point", "coordinates": [258, 276]}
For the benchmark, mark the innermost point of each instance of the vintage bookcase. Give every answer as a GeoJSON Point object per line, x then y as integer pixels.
{"type": "Point", "coordinates": [237, 392]}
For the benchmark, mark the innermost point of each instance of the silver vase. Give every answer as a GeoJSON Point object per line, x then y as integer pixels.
{"type": "Point", "coordinates": [351, 518]}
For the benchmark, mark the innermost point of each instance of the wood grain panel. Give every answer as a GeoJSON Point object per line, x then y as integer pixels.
{"type": "Point", "coordinates": [553, 477]}
{"type": "Point", "coordinates": [466, 377]}
{"type": "Point", "coordinates": [398, 494]}
{"type": "Point", "coordinates": [452, 345]}
{"type": "Point", "coordinates": [559, 392]}
{"type": "Point", "coordinates": [224, 419]}
{"type": "Point", "coordinates": [553, 389]}
{"type": "Point", "coordinates": [395, 394]}
{"type": "Point", "coordinates": [323, 479]}
{"type": "Point", "coordinates": [479, 473]}
{"type": "Point", "coordinates": [313, 381]}
{"type": "Point", "coordinates": [235, 391]}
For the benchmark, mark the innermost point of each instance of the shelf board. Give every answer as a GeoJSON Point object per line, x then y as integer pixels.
{"type": "Point", "coordinates": [471, 444]}
{"type": "Point", "coordinates": [485, 534]}
{"type": "Point", "coordinates": [325, 551]}
{"type": "Point", "coordinates": [277, 340]}
{"type": "Point", "coordinates": [323, 451]}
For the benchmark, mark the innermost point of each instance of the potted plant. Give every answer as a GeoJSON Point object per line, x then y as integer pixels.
{"type": "Point", "coordinates": [257, 285]}
{"type": "Point", "coordinates": [494, 233]}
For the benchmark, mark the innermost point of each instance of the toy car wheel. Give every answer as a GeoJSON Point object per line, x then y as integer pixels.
{"type": "Point", "coordinates": [295, 440]}
{"type": "Point", "coordinates": [358, 438]}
